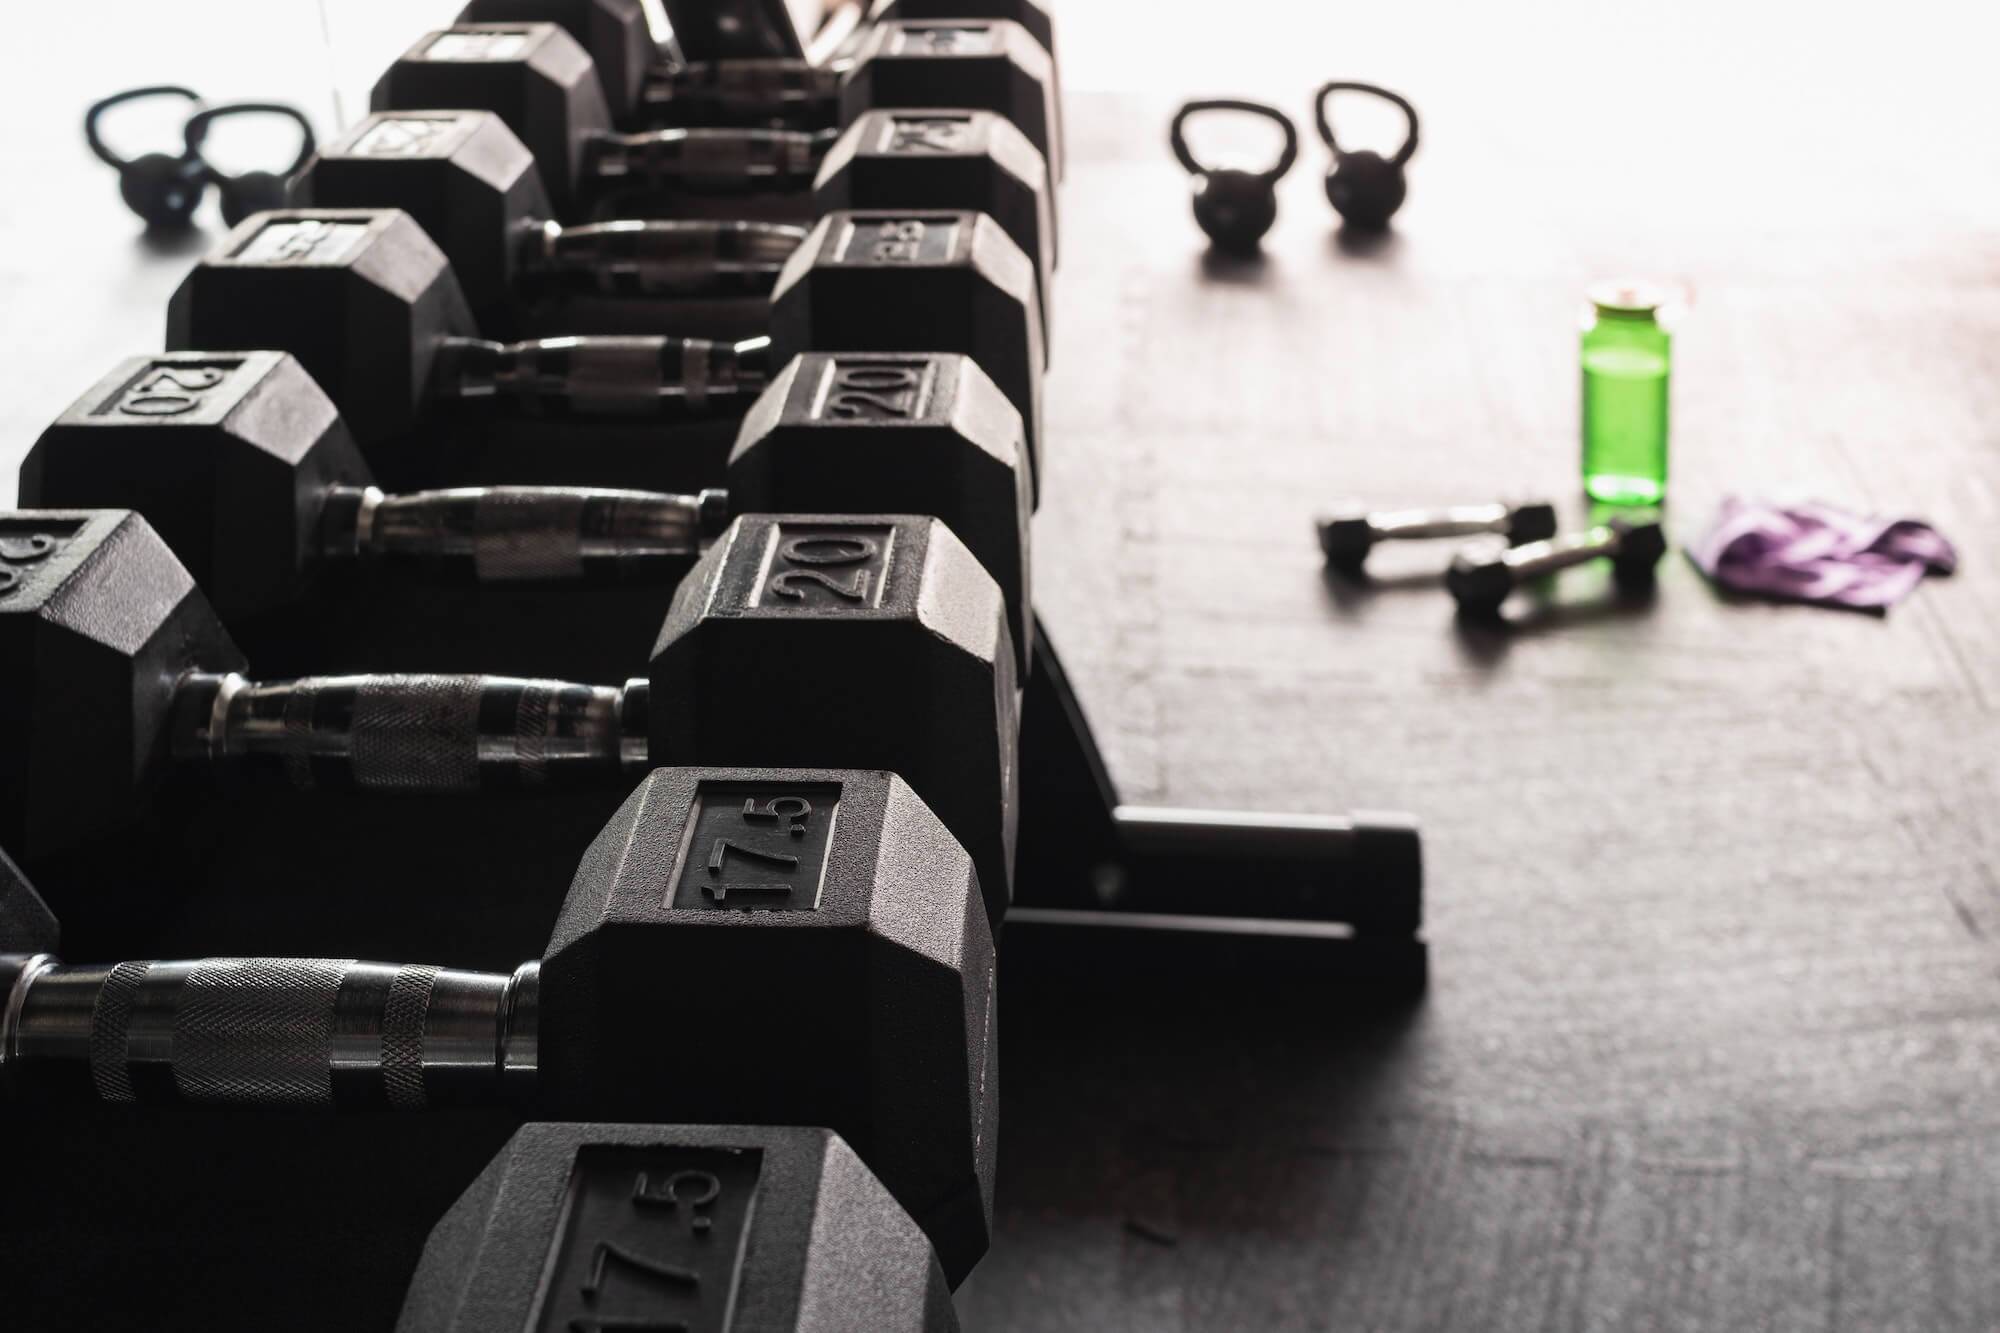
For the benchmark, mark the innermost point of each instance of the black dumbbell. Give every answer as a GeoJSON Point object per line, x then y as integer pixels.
{"type": "Point", "coordinates": [1483, 578]}
{"type": "Point", "coordinates": [243, 467]}
{"type": "Point", "coordinates": [1032, 15]}
{"type": "Point", "coordinates": [372, 309]}
{"type": "Point", "coordinates": [677, 1226]}
{"type": "Point", "coordinates": [820, 639]}
{"type": "Point", "coordinates": [745, 69]}
{"type": "Point", "coordinates": [1350, 532]}
{"type": "Point", "coordinates": [559, 1226]}
{"type": "Point", "coordinates": [775, 946]}
{"type": "Point", "coordinates": [474, 189]}
{"type": "Point", "coordinates": [544, 86]}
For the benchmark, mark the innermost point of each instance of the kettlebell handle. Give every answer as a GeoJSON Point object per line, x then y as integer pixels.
{"type": "Point", "coordinates": [102, 105]}
{"type": "Point", "coordinates": [198, 123]}
{"type": "Point", "coordinates": [1324, 96]}
{"type": "Point", "coordinates": [1177, 136]}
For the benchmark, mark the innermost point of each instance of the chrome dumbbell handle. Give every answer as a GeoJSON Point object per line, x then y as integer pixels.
{"type": "Point", "coordinates": [775, 88]}
{"type": "Point", "coordinates": [1535, 559]}
{"type": "Point", "coordinates": [513, 533]}
{"type": "Point", "coordinates": [414, 733]}
{"type": "Point", "coordinates": [708, 161]}
{"type": "Point", "coordinates": [663, 258]}
{"type": "Point", "coordinates": [604, 376]}
{"type": "Point", "coordinates": [1349, 533]}
{"type": "Point", "coordinates": [269, 1032]}
{"type": "Point", "coordinates": [1451, 521]}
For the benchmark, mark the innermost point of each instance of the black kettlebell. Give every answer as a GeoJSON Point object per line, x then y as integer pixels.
{"type": "Point", "coordinates": [1235, 207]}
{"type": "Point", "coordinates": [249, 192]}
{"type": "Point", "coordinates": [1364, 187]}
{"type": "Point", "coordinates": [163, 188]}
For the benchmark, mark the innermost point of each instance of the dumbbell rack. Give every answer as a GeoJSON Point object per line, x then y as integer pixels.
{"type": "Point", "coordinates": [1097, 885]}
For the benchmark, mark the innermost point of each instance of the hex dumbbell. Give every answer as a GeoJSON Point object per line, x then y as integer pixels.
{"type": "Point", "coordinates": [373, 311]}
{"type": "Point", "coordinates": [562, 1225]}
{"type": "Point", "coordinates": [1482, 578]}
{"type": "Point", "coordinates": [838, 891]}
{"type": "Point", "coordinates": [677, 1226]}
{"type": "Point", "coordinates": [544, 85]}
{"type": "Point", "coordinates": [474, 189]}
{"type": "Point", "coordinates": [1032, 15]}
{"type": "Point", "coordinates": [1351, 531]}
{"type": "Point", "coordinates": [244, 468]}
{"type": "Point", "coordinates": [795, 640]}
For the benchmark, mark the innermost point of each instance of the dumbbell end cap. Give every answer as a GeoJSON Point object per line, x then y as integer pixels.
{"type": "Point", "coordinates": [1478, 582]}
{"type": "Point", "coordinates": [1346, 538]}
{"type": "Point", "coordinates": [1641, 546]}
{"type": "Point", "coordinates": [1531, 521]}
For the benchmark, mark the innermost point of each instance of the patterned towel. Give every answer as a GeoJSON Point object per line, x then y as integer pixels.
{"type": "Point", "coordinates": [1818, 553]}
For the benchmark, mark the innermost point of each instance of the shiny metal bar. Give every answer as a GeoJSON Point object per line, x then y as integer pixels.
{"type": "Point", "coordinates": [272, 1032]}
{"type": "Point", "coordinates": [411, 733]}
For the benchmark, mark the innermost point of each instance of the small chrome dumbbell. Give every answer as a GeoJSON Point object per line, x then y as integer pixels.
{"type": "Point", "coordinates": [1350, 532]}
{"type": "Point", "coordinates": [1482, 578]}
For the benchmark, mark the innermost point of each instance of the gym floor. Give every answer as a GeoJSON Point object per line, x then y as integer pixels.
{"type": "Point", "coordinates": [1713, 1028]}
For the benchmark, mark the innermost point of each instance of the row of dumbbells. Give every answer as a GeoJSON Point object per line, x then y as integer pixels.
{"type": "Point", "coordinates": [816, 858]}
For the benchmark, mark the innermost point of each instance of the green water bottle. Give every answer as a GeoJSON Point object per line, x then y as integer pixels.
{"type": "Point", "coordinates": [1626, 357]}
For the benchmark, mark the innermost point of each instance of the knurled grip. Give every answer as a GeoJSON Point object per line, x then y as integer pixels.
{"type": "Point", "coordinates": [403, 1019]}
{"type": "Point", "coordinates": [229, 1031]}
{"type": "Point", "coordinates": [257, 1032]}
{"type": "Point", "coordinates": [524, 535]}
{"type": "Point", "coordinates": [413, 733]}
{"type": "Point", "coordinates": [276, 1032]}
{"type": "Point", "coordinates": [416, 733]}
{"type": "Point", "coordinates": [109, 1031]}
{"type": "Point", "coordinates": [532, 724]}
{"type": "Point", "coordinates": [603, 376]}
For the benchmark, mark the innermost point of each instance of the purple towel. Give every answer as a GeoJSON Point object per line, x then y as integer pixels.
{"type": "Point", "coordinates": [1817, 553]}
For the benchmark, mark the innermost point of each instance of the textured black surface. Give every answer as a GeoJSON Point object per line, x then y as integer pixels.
{"type": "Point", "coordinates": [824, 1247]}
